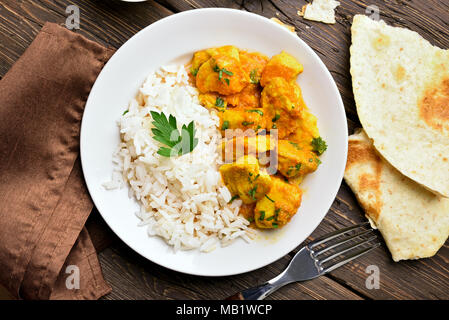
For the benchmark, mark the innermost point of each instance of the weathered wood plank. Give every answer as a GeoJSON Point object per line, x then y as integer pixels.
{"type": "Point", "coordinates": [418, 279]}
{"type": "Point", "coordinates": [132, 276]}
{"type": "Point", "coordinates": [110, 23]}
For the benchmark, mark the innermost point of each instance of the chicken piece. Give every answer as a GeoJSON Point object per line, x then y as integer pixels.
{"type": "Point", "coordinates": [306, 131]}
{"type": "Point", "coordinates": [222, 73]}
{"type": "Point", "coordinates": [281, 65]}
{"type": "Point", "coordinates": [253, 64]}
{"type": "Point", "coordinates": [240, 118]}
{"type": "Point", "coordinates": [279, 205]}
{"type": "Point", "coordinates": [295, 161]}
{"type": "Point", "coordinates": [244, 179]}
{"type": "Point", "coordinates": [237, 147]}
{"type": "Point", "coordinates": [249, 97]}
{"type": "Point", "coordinates": [282, 104]}
{"type": "Point", "coordinates": [212, 100]}
{"type": "Point", "coordinates": [199, 58]}
{"type": "Point", "coordinates": [230, 51]}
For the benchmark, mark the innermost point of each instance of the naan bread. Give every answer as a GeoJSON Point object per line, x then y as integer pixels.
{"type": "Point", "coordinates": [401, 88]}
{"type": "Point", "coordinates": [413, 221]}
{"type": "Point", "coordinates": [320, 10]}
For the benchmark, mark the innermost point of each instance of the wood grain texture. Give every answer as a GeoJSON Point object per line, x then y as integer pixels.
{"type": "Point", "coordinates": [112, 22]}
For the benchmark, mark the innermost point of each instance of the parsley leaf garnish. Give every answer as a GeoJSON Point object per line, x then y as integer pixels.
{"type": "Point", "coordinates": [319, 145]}
{"type": "Point", "coordinates": [126, 111]}
{"type": "Point", "coordinates": [194, 72]}
{"type": "Point", "coordinates": [166, 132]}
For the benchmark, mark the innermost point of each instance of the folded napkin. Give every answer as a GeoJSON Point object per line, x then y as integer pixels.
{"type": "Point", "coordinates": [44, 204]}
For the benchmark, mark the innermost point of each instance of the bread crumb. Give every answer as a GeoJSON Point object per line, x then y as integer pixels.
{"type": "Point", "coordinates": [320, 10]}
{"type": "Point", "coordinates": [287, 26]}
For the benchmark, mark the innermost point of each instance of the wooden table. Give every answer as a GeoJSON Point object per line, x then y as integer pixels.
{"type": "Point", "coordinates": [132, 277]}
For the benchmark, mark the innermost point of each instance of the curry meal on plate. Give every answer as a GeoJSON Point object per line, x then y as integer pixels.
{"type": "Point", "coordinates": [215, 150]}
{"type": "Point", "coordinates": [260, 95]}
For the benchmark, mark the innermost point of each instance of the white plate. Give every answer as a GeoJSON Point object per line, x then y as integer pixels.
{"type": "Point", "coordinates": [175, 38]}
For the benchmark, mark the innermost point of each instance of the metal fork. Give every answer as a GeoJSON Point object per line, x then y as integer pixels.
{"type": "Point", "coordinates": [317, 258]}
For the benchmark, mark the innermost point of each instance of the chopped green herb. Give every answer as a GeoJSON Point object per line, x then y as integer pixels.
{"type": "Point", "coordinates": [276, 212]}
{"type": "Point", "coordinates": [166, 132]}
{"type": "Point", "coordinates": [257, 176]}
{"type": "Point", "coordinates": [246, 123]}
{"type": "Point", "coordinates": [319, 145]}
{"type": "Point", "coordinates": [298, 167]}
{"type": "Point", "coordinates": [289, 171]}
{"type": "Point", "coordinates": [266, 196]}
{"type": "Point", "coordinates": [225, 125]}
{"type": "Point", "coordinates": [194, 72]}
{"type": "Point", "coordinates": [250, 174]}
{"type": "Point", "coordinates": [295, 145]}
{"type": "Point", "coordinates": [274, 126]}
{"type": "Point", "coordinates": [252, 193]}
{"type": "Point", "coordinates": [126, 111]}
{"type": "Point", "coordinates": [219, 102]}
{"type": "Point", "coordinates": [221, 71]}
{"type": "Point", "coordinates": [274, 225]}
{"type": "Point", "coordinates": [233, 198]}
{"type": "Point", "coordinates": [262, 215]}
{"type": "Point", "coordinates": [258, 127]}
{"type": "Point", "coordinates": [270, 218]}
{"type": "Point", "coordinates": [276, 117]}
{"type": "Point", "coordinates": [310, 159]}
{"type": "Point", "coordinates": [253, 76]}
{"type": "Point", "coordinates": [256, 111]}
{"type": "Point", "coordinates": [318, 161]}
{"type": "Point", "coordinates": [229, 73]}
{"type": "Point", "coordinates": [250, 219]}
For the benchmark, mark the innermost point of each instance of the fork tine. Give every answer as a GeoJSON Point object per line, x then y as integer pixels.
{"type": "Point", "coordinates": [335, 234]}
{"type": "Point", "coordinates": [355, 255]}
{"type": "Point", "coordinates": [343, 241]}
{"type": "Point", "coordinates": [339, 253]}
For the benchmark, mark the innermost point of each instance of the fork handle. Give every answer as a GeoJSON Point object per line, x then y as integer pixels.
{"type": "Point", "coordinates": [255, 293]}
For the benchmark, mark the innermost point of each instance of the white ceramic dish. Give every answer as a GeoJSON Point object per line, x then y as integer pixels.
{"type": "Point", "coordinates": [174, 39]}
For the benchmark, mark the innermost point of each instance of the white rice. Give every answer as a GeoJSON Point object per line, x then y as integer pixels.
{"type": "Point", "coordinates": [182, 198]}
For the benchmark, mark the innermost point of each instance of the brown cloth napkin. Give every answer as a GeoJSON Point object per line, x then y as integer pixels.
{"type": "Point", "coordinates": [43, 199]}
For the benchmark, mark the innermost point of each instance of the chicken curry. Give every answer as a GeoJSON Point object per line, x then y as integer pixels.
{"type": "Point", "coordinates": [251, 91]}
